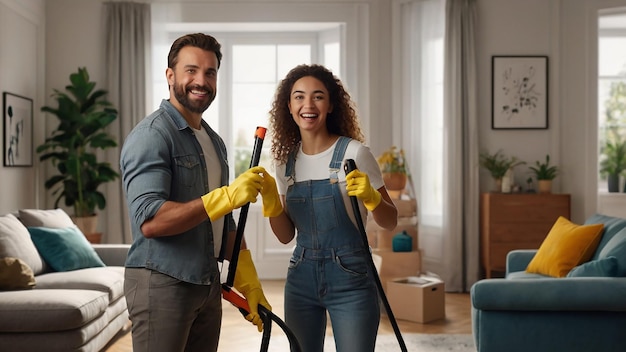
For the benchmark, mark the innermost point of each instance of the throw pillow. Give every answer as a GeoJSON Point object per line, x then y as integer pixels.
{"type": "Point", "coordinates": [15, 275]}
{"type": "Point", "coordinates": [64, 249]}
{"type": "Point", "coordinates": [606, 267]}
{"type": "Point", "coordinates": [566, 246]}
{"type": "Point", "coordinates": [615, 247]}
{"type": "Point", "coordinates": [16, 243]}
{"type": "Point", "coordinates": [56, 218]}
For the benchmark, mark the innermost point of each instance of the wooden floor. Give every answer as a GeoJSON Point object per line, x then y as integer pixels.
{"type": "Point", "coordinates": [239, 335]}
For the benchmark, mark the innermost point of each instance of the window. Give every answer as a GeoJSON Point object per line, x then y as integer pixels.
{"type": "Point", "coordinates": [253, 64]}
{"type": "Point", "coordinates": [611, 99]}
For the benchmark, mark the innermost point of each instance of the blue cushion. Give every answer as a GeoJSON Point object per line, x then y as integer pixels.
{"type": "Point", "coordinates": [612, 225]}
{"type": "Point", "coordinates": [616, 247]}
{"type": "Point", "coordinates": [64, 249]}
{"type": "Point", "coordinates": [606, 267]}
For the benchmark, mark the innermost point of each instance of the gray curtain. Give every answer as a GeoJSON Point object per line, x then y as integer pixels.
{"type": "Point", "coordinates": [460, 113]}
{"type": "Point", "coordinates": [127, 28]}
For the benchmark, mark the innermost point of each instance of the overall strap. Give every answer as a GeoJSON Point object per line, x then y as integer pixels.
{"type": "Point", "coordinates": [337, 159]}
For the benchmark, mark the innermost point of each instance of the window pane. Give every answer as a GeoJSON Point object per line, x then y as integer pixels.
{"type": "Point", "coordinates": [612, 56]}
{"type": "Point", "coordinates": [254, 63]}
{"type": "Point", "coordinates": [290, 56]}
{"type": "Point", "coordinates": [331, 58]}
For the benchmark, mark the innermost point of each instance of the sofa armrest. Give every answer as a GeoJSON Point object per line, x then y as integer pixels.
{"type": "Point", "coordinates": [551, 294]}
{"type": "Point", "coordinates": [518, 259]}
{"type": "Point", "coordinates": [112, 254]}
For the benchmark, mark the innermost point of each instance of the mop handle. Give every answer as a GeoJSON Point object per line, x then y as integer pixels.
{"type": "Point", "coordinates": [259, 136]}
{"type": "Point", "coordinates": [349, 166]}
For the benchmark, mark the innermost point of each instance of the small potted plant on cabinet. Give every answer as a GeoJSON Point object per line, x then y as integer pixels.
{"type": "Point", "coordinates": [498, 165]}
{"type": "Point", "coordinates": [545, 173]}
{"type": "Point", "coordinates": [613, 162]}
{"type": "Point", "coordinates": [83, 114]}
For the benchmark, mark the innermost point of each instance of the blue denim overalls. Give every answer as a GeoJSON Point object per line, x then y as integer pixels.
{"type": "Point", "coordinates": [329, 268]}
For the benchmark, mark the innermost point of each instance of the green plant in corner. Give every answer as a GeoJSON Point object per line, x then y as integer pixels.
{"type": "Point", "coordinates": [83, 115]}
{"type": "Point", "coordinates": [545, 171]}
{"type": "Point", "coordinates": [498, 164]}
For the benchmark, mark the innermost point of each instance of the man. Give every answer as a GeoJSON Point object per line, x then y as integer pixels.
{"type": "Point", "coordinates": [175, 174]}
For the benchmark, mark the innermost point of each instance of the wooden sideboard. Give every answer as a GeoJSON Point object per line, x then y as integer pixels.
{"type": "Point", "coordinates": [516, 221]}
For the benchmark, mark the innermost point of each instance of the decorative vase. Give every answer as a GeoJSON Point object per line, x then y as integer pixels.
{"type": "Point", "coordinates": [544, 186]}
{"type": "Point", "coordinates": [394, 181]}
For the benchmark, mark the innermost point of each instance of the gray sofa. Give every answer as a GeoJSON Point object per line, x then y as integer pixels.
{"type": "Point", "coordinates": [584, 311]}
{"type": "Point", "coordinates": [48, 307]}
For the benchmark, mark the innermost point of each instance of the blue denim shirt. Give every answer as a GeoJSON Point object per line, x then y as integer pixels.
{"type": "Point", "coordinates": [162, 160]}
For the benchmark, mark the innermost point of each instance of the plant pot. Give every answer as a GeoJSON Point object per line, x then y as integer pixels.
{"type": "Point", "coordinates": [544, 186]}
{"type": "Point", "coordinates": [613, 182]}
{"type": "Point", "coordinates": [86, 224]}
{"type": "Point", "coordinates": [394, 181]}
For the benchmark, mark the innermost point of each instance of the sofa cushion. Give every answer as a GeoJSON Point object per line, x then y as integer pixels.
{"type": "Point", "coordinates": [566, 246]}
{"type": "Point", "coordinates": [108, 279]}
{"type": "Point", "coordinates": [605, 267]}
{"type": "Point", "coordinates": [64, 249]}
{"type": "Point", "coordinates": [615, 247]}
{"type": "Point", "coordinates": [55, 218]}
{"type": "Point", "coordinates": [49, 310]}
{"type": "Point", "coordinates": [15, 242]}
{"type": "Point", "coordinates": [15, 274]}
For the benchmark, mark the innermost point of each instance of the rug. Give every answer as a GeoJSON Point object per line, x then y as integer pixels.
{"type": "Point", "coordinates": [389, 343]}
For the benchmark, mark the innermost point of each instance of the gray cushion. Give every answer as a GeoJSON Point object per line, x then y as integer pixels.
{"type": "Point", "coordinates": [15, 242]}
{"type": "Point", "coordinates": [55, 218]}
{"type": "Point", "coordinates": [616, 247]}
{"type": "Point", "coordinates": [104, 279]}
{"type": "Point", "coordinates": [49, 310]}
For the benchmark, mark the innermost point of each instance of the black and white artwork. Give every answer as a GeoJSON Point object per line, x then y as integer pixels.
{"type": "Point", "coordinates": [18, 130]}
{"type": "Point", "coordinates": [519, 92]}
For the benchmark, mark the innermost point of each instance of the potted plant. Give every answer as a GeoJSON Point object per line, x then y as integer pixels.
{"type": "Point", "coordinates": [613, 162]}
{"type": "Point", "coordinates": [545, 173]}
{"type": "Point", "coordinates": [83, 114]}
{"type": "Point", "coordinates": [498, 165]}
{"type": "Point", "coordinates": [393, 167]}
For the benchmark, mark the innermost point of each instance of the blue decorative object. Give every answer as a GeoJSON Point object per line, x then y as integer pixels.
{"type": "Point", "coordinates": [402, 242]}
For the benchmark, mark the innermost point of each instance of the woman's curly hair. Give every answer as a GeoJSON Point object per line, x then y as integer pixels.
{"type": "Point", "coordinates": [343, 120]}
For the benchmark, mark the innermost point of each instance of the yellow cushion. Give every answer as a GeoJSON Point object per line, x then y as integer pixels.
{"type": "Point", "coordinates": [566, 246]}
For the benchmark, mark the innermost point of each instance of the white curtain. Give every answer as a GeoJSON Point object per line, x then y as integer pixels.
{"type": "Point", "coordinates": [461, 191]}
{"type": "Point", "coordinates": [127, 28]}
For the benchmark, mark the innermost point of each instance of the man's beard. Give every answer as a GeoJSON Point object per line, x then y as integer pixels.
{"type": "Point", "coordinates": [180, 93]}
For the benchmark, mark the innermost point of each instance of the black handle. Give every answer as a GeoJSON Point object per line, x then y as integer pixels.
{"type": "Point", "coordinates": [348, 167]}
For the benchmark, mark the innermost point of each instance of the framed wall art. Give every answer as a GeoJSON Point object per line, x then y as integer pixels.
{"type": "Point", "coordinates": [519, 92]}
{"type": "Point", "coordinates": [18, 130]}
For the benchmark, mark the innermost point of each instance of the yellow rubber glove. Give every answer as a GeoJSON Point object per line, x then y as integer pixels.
{"type": "Point", "coordinates": [272, 205]}
{"type": "Point", "coordinates": [358, 184]}
{"type": "Point", "coordinates": [243, 190]}
{"type": "Point", "coordinates": [247, 282]}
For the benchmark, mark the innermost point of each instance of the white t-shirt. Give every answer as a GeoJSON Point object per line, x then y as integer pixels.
{"type": "Point", "coordinates": [315, 167]}
{"type": "Point", "coordinates": [214, 168]}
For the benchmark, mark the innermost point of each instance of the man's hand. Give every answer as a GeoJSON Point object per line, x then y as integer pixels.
{"type": "Point", "coordinates": [247, 282]}
{"type": "Point", "coordinates": [243, 190]}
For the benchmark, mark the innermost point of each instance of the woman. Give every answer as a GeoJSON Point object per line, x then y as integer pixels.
{"type": "Point", "coordinates": [315, 128]}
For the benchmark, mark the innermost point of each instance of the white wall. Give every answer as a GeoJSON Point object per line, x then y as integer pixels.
{"type": "Point", "coordinates": [22, 73]}
{"type": "Point", "coordinates": [560, 29]}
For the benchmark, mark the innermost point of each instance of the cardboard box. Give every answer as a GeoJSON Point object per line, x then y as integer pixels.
{"type": "Point", "coordinates": [398, 264]}
{"type": "Point", "coordinates": [417, 298]}
{"type": "Point", "coordinates": [406, 207]}
{"type": "Point", "coordinates": [382, 239]}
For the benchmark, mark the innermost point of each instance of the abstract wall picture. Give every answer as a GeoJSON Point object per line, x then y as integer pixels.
{"type": "Point", "coordinates": [18, 130]}
{"type": "Point", "coordinates": [519, 92]}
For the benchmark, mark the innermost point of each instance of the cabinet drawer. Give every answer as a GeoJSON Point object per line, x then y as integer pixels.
{"type": "Point", "coordinates": [532, 232]}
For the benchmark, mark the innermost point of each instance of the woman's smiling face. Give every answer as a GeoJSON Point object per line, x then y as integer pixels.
{"type": "Point", "coordinates": [309, 103]}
